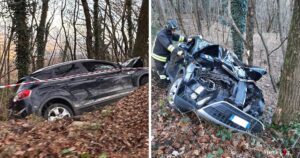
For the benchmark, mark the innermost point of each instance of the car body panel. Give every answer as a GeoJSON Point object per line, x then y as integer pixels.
{"type": "Point", "coordinates": [81, 92]}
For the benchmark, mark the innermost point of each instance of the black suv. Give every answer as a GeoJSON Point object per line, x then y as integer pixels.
{"type": "Point", "coordinates": [70, 88]}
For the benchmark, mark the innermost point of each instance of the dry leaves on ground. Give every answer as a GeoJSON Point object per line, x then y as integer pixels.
{"type": "Point", "coordinates": [120, 130]}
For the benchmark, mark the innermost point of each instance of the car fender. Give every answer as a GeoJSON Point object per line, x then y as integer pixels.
{"type": "Point", "coordinates": [138, 74]}
{"type": "Point", "coordinates": [44, 103]}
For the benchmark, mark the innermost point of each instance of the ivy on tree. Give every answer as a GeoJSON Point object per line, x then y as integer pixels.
{"type": "Point", "coordinates": [239, 12]}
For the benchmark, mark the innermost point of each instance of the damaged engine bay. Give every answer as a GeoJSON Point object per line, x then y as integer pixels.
{"type": "Point", "coordinates": [211, 81]}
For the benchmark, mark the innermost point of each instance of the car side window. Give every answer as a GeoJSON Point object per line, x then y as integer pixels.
{"type": "Point", "coordinates": [42, 75]}
{"type": "Point", "coordinates": [67, 70]}
{"type": "Point", "coordinates": [97, 66]}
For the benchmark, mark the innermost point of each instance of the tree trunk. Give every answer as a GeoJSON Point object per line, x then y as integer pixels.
{"type": "Point", "coordinates": [161, 12]}
{"type": "Point", "coordinates": [113, 31]}
{"type": "Point", "coordinates": [125, 40]}
{"type": "Point", "coordinates": [250, 29]}
{"type": "Point", "coordinates": [178, 13]}
{"type": "Point", "coordinates": [198, 15]}
{"type": "Point", "coordinates": [141, 42]}
{"type": "Point", "coordinates": [130, 25]}
{"type": "Point", "coordinates": [288, 106]}
{"type": "Point", "coordinates": [67, 43]}
{"type": "Point", "coordinates": [239, 12]}
{"type": "Point", "coordinates": [75, 17]}
{"type": "Point", "coordinates": [280, 27]}
{"type": "Point", "coordinates": [22, 37]}
{"type": "Point", "coordinates": [89, 35]}
{"type": "Point", "coordinates": [97, 34]}
{"type": "Point", "coordinates": [40, 35]}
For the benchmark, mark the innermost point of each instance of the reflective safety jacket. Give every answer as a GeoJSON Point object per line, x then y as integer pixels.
{"type": "Point", "coordinates": [163, 45]}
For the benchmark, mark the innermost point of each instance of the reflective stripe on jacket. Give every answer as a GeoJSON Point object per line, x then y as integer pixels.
{"type": "Point", "coordinates": [163, 45]}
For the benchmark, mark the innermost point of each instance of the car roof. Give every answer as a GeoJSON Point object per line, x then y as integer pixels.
{"type": "Point", "coordinates": [70, 62]}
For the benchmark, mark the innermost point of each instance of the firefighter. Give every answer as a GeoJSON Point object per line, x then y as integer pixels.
{"type": "Point", "coordinates": [163, 47]}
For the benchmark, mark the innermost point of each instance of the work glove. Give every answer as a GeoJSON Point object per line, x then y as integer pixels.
{"type": "Point", "coordinates": [192, 38]}
{"type": "Point", "coordinates": [180, 53]}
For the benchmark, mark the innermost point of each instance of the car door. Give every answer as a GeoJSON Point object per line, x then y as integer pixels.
{"type": "Point", "coordinates": [80, 87]}
{"type": "Point", "coordinates": [109, 84]}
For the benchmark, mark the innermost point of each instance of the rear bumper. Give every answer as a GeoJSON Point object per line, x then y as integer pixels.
{"type": "Point", "coordinates": [20, 109]}
{"type": "Point", "coordinates": [223, 112]}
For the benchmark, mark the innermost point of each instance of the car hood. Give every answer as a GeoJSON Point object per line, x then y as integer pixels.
{"type": "Point", "coordinates": [133, 62]}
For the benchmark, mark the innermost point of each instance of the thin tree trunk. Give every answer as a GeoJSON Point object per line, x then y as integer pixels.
{"type": "Point", "coordinates": [250, 29]}
{"type": "Point", "coordinates": [97, 34]}
{"type": "Point", "coordinates": [113, 32]}
{"type": "Point", "coordinates": [130, 25]}
{"type": "Point", "coordinates": [125, 40]}
{"type": "Point", "coordinates": [280, 27]}
{"type": "Point", "coordinates": [40, 36]}
{"type": "Point", "coordinates": [89, 35]}
{"type": "Point", "coordinates": [67, 43]}
{"type": "Point", "coordinates": [75, 17]}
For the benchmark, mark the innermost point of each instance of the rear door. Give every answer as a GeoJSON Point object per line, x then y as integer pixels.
{"type": "Point", "coordinates": [78, 86]}
{"type": "Point", "coordinates": [109, 84]}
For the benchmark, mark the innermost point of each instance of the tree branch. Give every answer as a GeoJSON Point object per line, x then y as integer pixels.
{"type": "Point", "coordinates": [267, 52]}
{"type": "Point", "coordinates": [279, 45]}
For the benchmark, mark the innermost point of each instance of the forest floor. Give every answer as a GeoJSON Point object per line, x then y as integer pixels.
{"type": "Point", "coordinates": [176, 135]}
{"type": "Point", "coordinates": [119, 130]}
{"type": "Point", "coordinates": [187, 136]}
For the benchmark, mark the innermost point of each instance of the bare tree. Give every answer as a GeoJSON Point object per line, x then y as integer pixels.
{"type": "Point", "coordinates": [40, 37]}
{"type": "Point", "coordinates": [89, 34]}
{"type": "Point", "coordinates": [141, 43]}
{"type": "Point", "coordinates": [130, 24]}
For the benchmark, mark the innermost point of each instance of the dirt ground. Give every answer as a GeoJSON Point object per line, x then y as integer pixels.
{"type": "Point", "coordinates": [119, 130]}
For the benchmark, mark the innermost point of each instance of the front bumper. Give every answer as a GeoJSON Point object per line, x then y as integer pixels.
{"type": "Point", "coordinates": [222, 113]}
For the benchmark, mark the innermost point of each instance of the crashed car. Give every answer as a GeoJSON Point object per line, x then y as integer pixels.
{"type": "Point", "coordinates": [71, 88]}
{"type": "Point", "coordinates": [211, 81]}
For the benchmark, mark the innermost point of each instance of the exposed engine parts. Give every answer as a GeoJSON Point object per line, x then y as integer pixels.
{"type": "Point", "coordinates": [214, 84]}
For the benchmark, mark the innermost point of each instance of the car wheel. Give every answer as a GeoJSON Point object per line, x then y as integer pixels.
{"type": "Point", "coordinates": [172, 92]}
{"type": "Point", "coordinates": [58, 111]}
{"type": "Point", "coordinates": [143, 80]}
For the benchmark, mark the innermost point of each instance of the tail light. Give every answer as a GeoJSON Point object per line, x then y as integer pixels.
{"type": "Point", "coordinates": [22, 95]}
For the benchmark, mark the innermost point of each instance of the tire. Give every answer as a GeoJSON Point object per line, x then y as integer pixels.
{"type": "Point", "coordinates": [172, 90]}
{"type": "Point", "coordinates": [143, 80]}
{"type": "Point", "coordinates": [57, 111]}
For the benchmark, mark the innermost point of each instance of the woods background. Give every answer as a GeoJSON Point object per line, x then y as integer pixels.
{"type": "Point", "coordinates": [38, 33]}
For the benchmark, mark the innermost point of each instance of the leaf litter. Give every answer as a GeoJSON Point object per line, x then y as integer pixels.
{"type": "Point", "coordinates": [119, 130]}
{"type": "Point", "coordinates": [177, 135]}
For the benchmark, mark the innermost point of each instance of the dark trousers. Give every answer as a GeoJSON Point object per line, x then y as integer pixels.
{"type": "Point", "coordinates": [159, 67]}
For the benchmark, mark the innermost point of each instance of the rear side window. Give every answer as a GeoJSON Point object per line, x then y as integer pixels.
{"type": "Point", "coordinates": [42, 75]}
{"type": "Point", "coordinates": [97, 66]}
{"type": "Point", "coordinates": [67, 70]}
